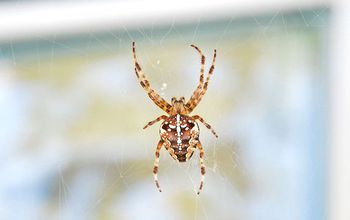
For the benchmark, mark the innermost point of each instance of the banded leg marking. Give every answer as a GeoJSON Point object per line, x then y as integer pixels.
{"type": "Point", "coordinates": [201, 159]}
{"type": "Point", "coordinates": [195, 99]}
{"type": "Point", "coordinates": [211, 70]}
{"type": "Point", "coordinates": [197, 117]}
{"type": "Point", "coordinates": [198, 90]}
{"type": "Point", "coordinates": [156, 164]}
{"type": "Point", "coordinates": [157, 99]}
{"type": "Point", "coordinates": [201, 76]}
{"type": "Point", "coordinates": [163, 117]}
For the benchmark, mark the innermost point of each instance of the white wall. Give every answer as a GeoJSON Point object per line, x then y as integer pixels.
{"type": "Point", "coordinates": [339, 167]}
{"type": "Point", "coordinates": [22, 20]}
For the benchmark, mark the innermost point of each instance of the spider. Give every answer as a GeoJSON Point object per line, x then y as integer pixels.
{"type": "Point", "coordinates": [179, 132]}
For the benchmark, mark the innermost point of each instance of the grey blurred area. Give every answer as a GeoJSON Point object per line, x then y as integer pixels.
{"type": "Point", "coordinates": [72, 112]}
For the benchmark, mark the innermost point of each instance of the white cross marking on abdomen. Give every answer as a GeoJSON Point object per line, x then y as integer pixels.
{"type": "Point", "coordinates": [178, 130]}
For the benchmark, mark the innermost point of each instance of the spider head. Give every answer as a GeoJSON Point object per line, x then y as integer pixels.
{"type": "Point", "coordinates": [178, 105]}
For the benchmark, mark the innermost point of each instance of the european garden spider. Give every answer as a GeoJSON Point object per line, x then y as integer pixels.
{"type": "Point", "coordinates": [179, 132]}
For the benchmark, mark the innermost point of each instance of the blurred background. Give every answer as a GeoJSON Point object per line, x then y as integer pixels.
{"type": "Point", "coordinates": [72, 111]}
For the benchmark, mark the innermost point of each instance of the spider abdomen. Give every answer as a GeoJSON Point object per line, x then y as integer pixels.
{"type": "Point", "coordinates": [179, 131]}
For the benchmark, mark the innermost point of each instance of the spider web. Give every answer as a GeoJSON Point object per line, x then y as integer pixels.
{"type": "Point", "coordinates": [72, 125]}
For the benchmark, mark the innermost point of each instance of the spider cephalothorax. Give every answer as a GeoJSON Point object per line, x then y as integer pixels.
{"type": "Point", "coordinates": [179, 132]}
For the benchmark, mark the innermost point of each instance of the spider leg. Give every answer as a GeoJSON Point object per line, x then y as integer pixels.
{"type": "Point", "coordinates": [211, 70]}
{"type": "Point", "coordinates": [201, 77]}
{"type": "Point", "coordinates": [201, 159]}
{"type": "Point", "coordinates": [198, 90]}
{"type": "Point", "coordinates": [156, 163]}
{"type": "Point", "coordinates": [197, 96]}
{"type": "Point", "coordinates": [163, 117]}
{"type": "Point", "coordinates": [157, 99]}
{"type": "Point", "coordinates": [197, 117]}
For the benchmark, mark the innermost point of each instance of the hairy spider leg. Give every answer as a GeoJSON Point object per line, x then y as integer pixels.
{"type": "Point", "coordinates": [163, 117]}
{"type": "Point", "coordinates": [198, 90]}
{"type": "Point", "coordinates": [197, 117]}
{"type": "Point", "coordinates": [156, 164]}
{"type": "Point", "coordinates": [167, 146]}
{"type": "Point", "coordinates": [157, 99]}
{"type": "Point", "coordinates": [195, 101]}
{"type": "Point", "coordinates": [201, 159]}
